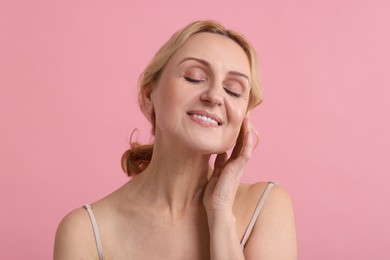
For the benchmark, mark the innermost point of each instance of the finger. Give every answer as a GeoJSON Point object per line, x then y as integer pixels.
{"type": "Point", "coordinates": [242, 141]}
{"type": "Point", "coordinates": [219, 164]}
{"type": "Point", "coordinates": [235, 165]}
{"type": "Point", "coordinates": [238, 146]}
{"type": "Point", "coordinates": [247, 147]}
{"type": "Point", "coordinates": [257, 135]}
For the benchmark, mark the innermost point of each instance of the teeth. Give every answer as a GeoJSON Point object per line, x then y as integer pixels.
{"type": "Point", "coordinates": [206, 118]}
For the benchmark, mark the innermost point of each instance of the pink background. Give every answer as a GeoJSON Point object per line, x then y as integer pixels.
{"type": "Point", "coordinates": [68, 75]}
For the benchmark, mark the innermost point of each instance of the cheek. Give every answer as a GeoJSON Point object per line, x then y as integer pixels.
{"type": "Point", "coordinates": [237, 112]}
{"type": "Point", "coordinates": [168, 103]}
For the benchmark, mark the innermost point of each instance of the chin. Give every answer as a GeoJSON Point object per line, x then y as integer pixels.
{"type": "Point", "coordinates": [207, 147]}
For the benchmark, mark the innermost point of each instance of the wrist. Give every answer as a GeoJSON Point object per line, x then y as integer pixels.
{"type": "Point", "coordinates": [221, 219]}
{"type": "Point", "coordinates": [224, 241]}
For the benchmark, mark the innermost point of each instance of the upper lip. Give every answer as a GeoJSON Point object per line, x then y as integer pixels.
{"type": "Point", "coordinates": [204, 113]}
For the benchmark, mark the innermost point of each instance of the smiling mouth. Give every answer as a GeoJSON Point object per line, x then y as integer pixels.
{"type": "Point", "coordinates": [205, 118]}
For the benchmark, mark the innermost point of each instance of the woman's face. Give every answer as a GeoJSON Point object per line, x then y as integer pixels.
{"type": "Point", "coordinates": [201, 97]}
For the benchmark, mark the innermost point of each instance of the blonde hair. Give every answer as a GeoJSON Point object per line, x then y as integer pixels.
{"type": "Point", "coordinates": [138, 157]}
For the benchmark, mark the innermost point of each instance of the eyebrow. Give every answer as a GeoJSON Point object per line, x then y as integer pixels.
{"type": "Point", "coordinates": [207, 64]}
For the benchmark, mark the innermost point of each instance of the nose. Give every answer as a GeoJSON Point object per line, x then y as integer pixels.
{"type": "Point", "coordinates": [213, 95]}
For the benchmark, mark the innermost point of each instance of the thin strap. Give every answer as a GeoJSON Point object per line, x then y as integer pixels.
{"type": "Point", "coordinates": [95, 231]}
{"type": "Point", "coordinates": [256, 214]}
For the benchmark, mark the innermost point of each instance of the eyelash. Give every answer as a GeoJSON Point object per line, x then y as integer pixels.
{"type": "Point", "coordinates": [231, 93]}
{"type": "Point", "coordinates": [197, 81]}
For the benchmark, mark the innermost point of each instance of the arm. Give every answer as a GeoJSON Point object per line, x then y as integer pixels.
{"type": "Point", "coordinates": [224, 241]}
{"type": "Point", "coordinates": [74, 237]}
{"type": "Point", "coordinates": [219, 199]}
{"type": "Point", "coordinates": [273, 237]}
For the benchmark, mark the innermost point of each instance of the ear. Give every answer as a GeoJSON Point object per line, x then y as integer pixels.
{"type": "Point", "coordinates": [147, 102]}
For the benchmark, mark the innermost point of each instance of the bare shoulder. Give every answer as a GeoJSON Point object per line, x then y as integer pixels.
{"type": "Point", "coordinates": [252, 189]}
{"type": "Point", "coordinates": [277, 199]}
{"type": "Point", "coordinates": [74, 237]}
{"type": "Point", "coordinates": [274, 235]}
{"type": "Point", "coordinates": [277, 196]}
{"type": "Point", "coordinates": [250, 193]}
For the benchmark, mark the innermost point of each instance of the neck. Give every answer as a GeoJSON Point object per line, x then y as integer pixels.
{"type": "Point", "coordinates": [175, 179]}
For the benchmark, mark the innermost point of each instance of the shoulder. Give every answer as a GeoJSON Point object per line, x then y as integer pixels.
{"type": "Point", "coordinates": [74, 237]}
{"type": "Point", "coordinates": [277, 196]}
{"type": "Point", "coordinates": [249, 193]}
{"type": "Point", "coordinates": [273, 236]}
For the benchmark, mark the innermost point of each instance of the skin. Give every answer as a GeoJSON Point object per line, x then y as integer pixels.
{"type": "Point", "coordinates": [180, 207]}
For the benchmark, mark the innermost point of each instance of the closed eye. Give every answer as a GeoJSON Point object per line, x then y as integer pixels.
{"type": "Point", "coordinates": [196, 81]}
{"type": "Point", "coordinates": [232, 93]}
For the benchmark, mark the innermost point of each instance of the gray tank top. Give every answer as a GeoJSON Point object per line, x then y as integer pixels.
{"type": "Point", "coordinates": [245, 238]}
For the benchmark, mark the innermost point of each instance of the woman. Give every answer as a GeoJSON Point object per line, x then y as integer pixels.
{"type": "Point", "coordinates": [197, 92]}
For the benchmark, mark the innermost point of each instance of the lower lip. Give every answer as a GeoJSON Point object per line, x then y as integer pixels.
{"type": "Point", "coordinates": [202, 122]}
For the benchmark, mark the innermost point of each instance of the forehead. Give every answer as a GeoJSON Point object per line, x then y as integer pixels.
{"type": "Point", "coordinates": [218, 50]}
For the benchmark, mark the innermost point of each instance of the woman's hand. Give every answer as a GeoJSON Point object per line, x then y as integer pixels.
{"type": "Point", "coordinates": [223, 184]}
